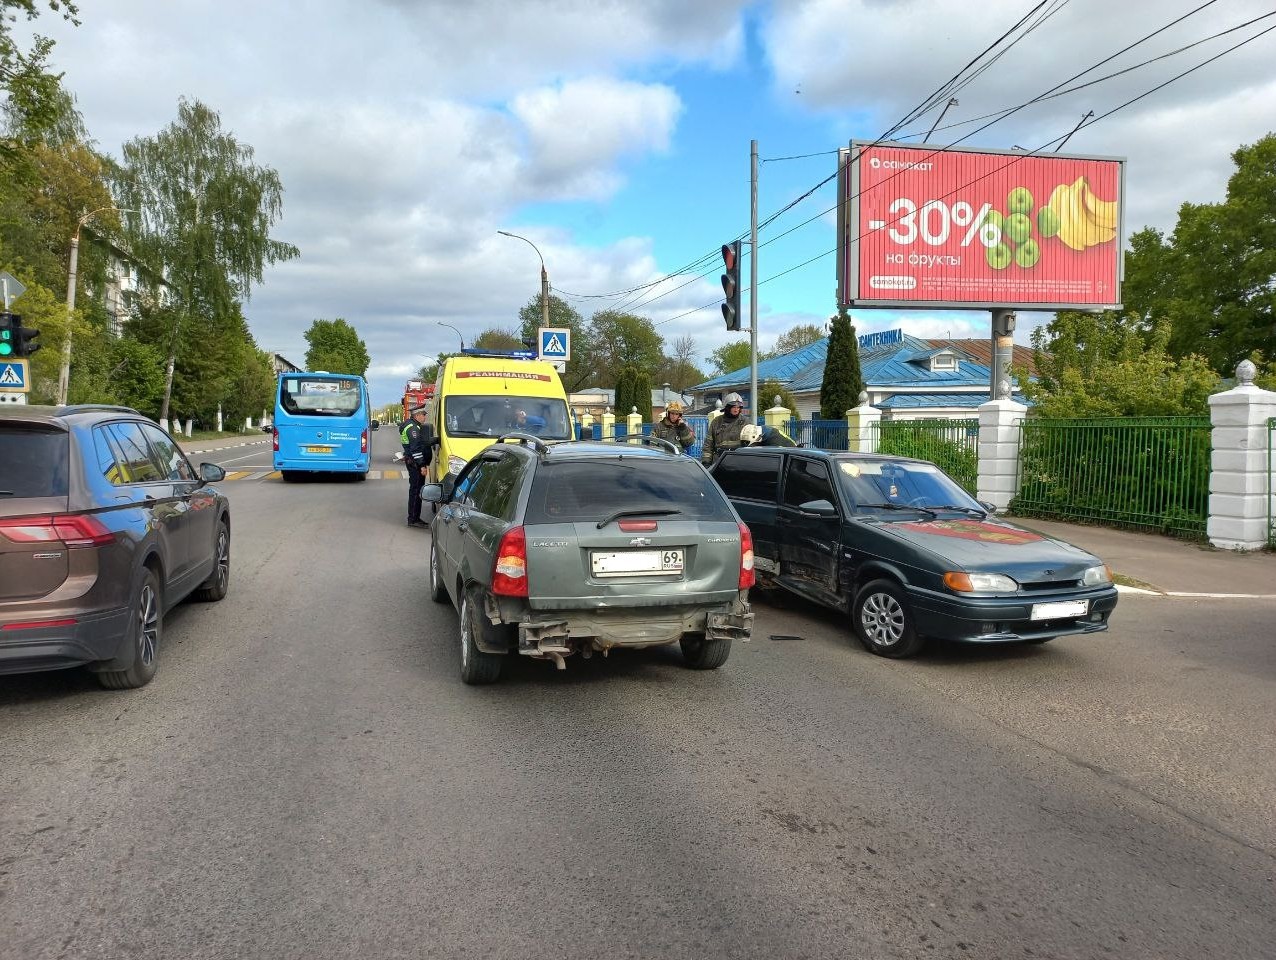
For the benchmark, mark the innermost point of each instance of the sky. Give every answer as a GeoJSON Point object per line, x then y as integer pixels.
{"type": "Point", "coordinates": [614, 135]}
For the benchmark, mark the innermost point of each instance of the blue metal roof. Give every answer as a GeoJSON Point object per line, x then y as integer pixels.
{"type": "Point", "coordinates": [913, 401]}
{"type": "Point", "coordinates": [895, 364]}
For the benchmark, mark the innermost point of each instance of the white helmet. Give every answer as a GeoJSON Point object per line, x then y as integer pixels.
{"type": "Point", "coordinates": [732, 398]}
{"type": "Point", "coordinates": [750, 433]}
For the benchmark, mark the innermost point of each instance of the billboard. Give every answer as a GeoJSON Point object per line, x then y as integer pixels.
{"type": "Point", "coordinates": [927, 226]}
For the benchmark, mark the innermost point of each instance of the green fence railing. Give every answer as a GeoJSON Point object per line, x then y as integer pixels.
{"type": "Point", "coordinates": [952, 445]}
{"type": "Point", "coordinates": [1146, 473]}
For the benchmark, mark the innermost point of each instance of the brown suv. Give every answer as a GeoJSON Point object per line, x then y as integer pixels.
{"type": "Point", "coordinates": [104, 524]}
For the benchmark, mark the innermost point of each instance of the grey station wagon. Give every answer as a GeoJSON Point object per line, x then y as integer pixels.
{"type": "Point", "coordinates": [104, 525]}
{"type": "Point", "coordinates": [547, 550]}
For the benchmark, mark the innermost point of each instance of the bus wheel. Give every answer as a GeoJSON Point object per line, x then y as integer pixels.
{"type": "Point", "coordinates": [290, 476]}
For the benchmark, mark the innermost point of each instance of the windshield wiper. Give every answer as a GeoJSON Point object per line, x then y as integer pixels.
{"type": "Point", "coordinates": [898, 506]}
{"type": "Point", "coordinates": [969, 511]}
{"type": "Point", "coordinates": [636, 513]}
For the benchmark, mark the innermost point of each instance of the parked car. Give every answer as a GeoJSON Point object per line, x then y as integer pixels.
{"type": "Point", "coordinates": [897, 544]}
{"type": "Point", "coordinates": [104, 525]}
{"type": "Point", "coordinates": [547, 550]}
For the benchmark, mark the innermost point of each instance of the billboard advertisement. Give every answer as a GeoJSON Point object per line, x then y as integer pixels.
{"type": "Point", "coordinates": [926, 226]}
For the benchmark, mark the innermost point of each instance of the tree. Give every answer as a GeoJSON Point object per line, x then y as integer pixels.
{"type": "Point", "coordinates": [1105, 365]}
{"type": "Point", "coordinates": [30, 94]}
{"type": "Point", "coordinates": [206, 213]}
{"type": "Point", "coordinates": [730, 357]}
{"type": "Point", "coordinates": [623, 398]}
{"type": "Point", "coordinates": [795, 338]}
{"type": "Point", "coordinates": [843, 382]}
{"type": "Point", "coordinates": [768, 390]}
{"type": "Point", "coordinates": [494, 338]}
{"type": "Point", "coordinates": [1210, 281]}
{"type": "Point", "coordinates": [680, 371]}
{"type": "Point", "coordinates": [623, 339]}
{"type": "Point", "coordinates": [334, 345]}
{"type": "Point", "coordinates": [641, 386]}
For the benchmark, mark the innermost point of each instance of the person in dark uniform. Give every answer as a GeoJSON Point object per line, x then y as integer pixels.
{"type": "Point", "coordinates": [417, 453]}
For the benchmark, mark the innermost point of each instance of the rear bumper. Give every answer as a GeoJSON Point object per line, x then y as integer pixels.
{"type": "Point", "coordinates": [90, 639]}
{"type": "Point", "coordinates": [1006, 619]}
{"type": "Point", "coordinates": [320, 465]}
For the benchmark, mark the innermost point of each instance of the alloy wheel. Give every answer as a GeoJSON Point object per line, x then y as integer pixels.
{"type": "Point", "coordinates": [223, 558]}
{"type": "Point", "coordinates": [148, 624]}
{"type": "Point", "coordinates": [882, 619]}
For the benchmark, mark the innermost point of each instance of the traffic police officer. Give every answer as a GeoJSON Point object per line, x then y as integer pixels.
{"type": "Point", "coordinates": [417, 453]}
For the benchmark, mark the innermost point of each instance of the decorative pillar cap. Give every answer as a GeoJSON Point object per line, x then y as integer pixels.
{"type": "Point", "coordinates": [863, 397]}
{"type": "Point", "coordinates": [1245, 373]}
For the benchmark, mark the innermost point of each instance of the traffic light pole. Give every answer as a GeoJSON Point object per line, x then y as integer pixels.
{"type": "Point", "coordinates": [753, 281]}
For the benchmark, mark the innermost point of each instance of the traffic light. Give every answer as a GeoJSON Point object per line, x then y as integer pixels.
{"type": "Point", "coordinates": [8, 335]}
{"type": "Point", "coordinates": [731, 284]}
{"type": "Point", "coordinates": [26, 340]}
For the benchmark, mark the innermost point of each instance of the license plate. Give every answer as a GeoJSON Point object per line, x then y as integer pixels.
{"type": "Point", "coordinates": [318, 449]}
{"type": "Point", "coordinates": [630, 562]}
{"type": "Point", "coordinates": [1055, 611]}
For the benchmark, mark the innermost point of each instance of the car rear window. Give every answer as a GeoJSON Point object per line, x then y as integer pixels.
{"type": "Point", "coordinates": [594, 489]}
{"type": "Point", "coordinates": [33, 462]}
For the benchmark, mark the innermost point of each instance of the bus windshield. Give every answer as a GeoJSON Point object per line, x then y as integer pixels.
{"type": "Point", "coordinates": [470, 415]}
{"type": "Point", "coordinates": [320, 396]}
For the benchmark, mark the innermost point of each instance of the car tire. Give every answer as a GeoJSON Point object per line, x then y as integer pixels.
{"type": "Point", "coordinates": [218, 582]}
{"type": "Point", "coordinates": [477, 667]}
{"type": "Point", "coordinates": [701, 653]}
{"type": "Point", "coordinates": [884, 622]}
{"type": "Point", "coordinates": [360, 477]}
{"type": "Point", "coordinates": [438, 590]}
{"type": "Point", "coordinates": [146, 626]}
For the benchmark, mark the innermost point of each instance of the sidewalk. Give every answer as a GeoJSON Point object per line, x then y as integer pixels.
{"type": "Point", "coordinates": [208, 446]}
{"type": "Point", "coordinates": [1165, 564]}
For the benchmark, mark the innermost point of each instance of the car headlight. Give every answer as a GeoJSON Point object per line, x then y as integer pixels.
{"type": "Point", "coordinates": [455, 465]}
{"type": "Point", "coordinates": [1094, 576]}
{"type": "Point", "coordinates": [979, 583]}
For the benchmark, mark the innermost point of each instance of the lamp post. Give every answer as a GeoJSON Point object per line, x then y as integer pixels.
{"type": "Point", "coordinates": [454, 330]}
{"type": "Point", "coordinates": [544, 276]}
{"type": "Point", "coordinates": [64, 374]}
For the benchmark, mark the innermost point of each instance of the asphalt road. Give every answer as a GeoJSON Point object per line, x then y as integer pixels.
{"type": "Point", "coordinates": [308, 778]}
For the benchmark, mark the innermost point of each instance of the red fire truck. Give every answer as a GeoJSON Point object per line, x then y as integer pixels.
{"type": "Point", "coordinates": [415, 393]}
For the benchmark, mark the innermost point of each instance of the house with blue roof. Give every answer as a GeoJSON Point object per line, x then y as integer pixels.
{"type": "Point", "coordinates": [906, 377]}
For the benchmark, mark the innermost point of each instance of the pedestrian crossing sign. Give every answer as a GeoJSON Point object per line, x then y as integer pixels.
{"type": "Point", "coordinates": [13, 376]}
{"type": "Point", "coordinates": [555, 343]}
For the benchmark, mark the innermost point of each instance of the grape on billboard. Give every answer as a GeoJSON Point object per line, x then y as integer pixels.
{"type": "Point", "coordinates": [928, 226]}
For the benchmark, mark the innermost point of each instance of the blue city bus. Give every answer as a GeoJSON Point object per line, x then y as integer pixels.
{"type": "Point", "coordinates": [322, 424]}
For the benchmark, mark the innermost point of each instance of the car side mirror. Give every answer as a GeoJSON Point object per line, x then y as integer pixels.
{"type": "Point", "coordinates": [448, 486]}
{"type": "Point", "coordinates": [211, 472]}
{"type": "Point", "coordinates": [432, 493]}
{"type": "Point", "coordinates": [990, 507]}
{"type": "Point", "coordinates": [818, 508]}
{"type": "Point", "coordinates": [376, 424]}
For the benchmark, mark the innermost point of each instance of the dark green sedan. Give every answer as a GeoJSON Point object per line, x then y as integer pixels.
{"type": "Point", "coordinates": [904, 550]}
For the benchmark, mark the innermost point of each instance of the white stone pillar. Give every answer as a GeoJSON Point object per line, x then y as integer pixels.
{"type": "Point", "coordinates": [999, 451]}
{"type": "Point", "coordinates": [1240, 464]}
{"type": "Point", "coordinates": [609, 425]}
{"type": "Point", "coordinates": [863, 424]}
{"type": "Point", "coordinates": [633, 425]}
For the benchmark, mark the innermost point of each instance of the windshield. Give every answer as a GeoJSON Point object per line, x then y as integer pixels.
{"type": "Point", "coordinates": [891, 484]}
{"type": "Point", "coordinates": [491, 416]}
{"type": "Point", "coordinates": [320, 396]}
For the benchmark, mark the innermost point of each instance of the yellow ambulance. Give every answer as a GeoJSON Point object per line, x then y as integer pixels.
{"type": "Point", "coordinates": [479, 397]}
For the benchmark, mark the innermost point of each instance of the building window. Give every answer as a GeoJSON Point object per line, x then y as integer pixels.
{"type": "Point", "coordinates": [944, 361]}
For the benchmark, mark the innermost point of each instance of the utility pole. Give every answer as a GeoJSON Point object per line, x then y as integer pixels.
{"type": "Point", "coordinates": [753, 280]}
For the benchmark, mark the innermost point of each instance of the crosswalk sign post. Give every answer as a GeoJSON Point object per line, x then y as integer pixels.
{"type": "Point", "coordinates": [554, 344]}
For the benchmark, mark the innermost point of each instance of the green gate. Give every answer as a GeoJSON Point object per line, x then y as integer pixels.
{"type": "Point", "coordinates": [1148, 473]}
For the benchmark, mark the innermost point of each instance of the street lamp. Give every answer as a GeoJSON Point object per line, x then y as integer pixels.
{"type": "Point", "coordinates": [454, 330]}
{"type": "Point", "coordinates": [544, 276]}
{"type": "Point", "coordinates": [64, 374]}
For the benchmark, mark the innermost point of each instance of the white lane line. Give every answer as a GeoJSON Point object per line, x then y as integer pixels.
{"type": "Point", "coordinates": [237, 459]}
{"type": "Point", "coordinates": [258, 475]}
{"type": "Point", "coordinates": [1183, 595]}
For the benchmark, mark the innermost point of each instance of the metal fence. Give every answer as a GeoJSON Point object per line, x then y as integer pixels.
{"type": "Point", "coordinates": [821, 434]}
{"type": "Point", "coordinates": [1146, 473]}
{"type": "Point", "coordinates": [700, 425]}
{"type": "Point", "coordinates": [952, 445]}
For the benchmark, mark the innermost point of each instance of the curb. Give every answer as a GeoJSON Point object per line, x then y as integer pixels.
{"type": "Point", "coordinates": [1185, 595]}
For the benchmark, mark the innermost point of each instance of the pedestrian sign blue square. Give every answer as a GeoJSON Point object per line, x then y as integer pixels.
{"type": "Point", "coordinates": [555, 343]}
{"type": "Point", "coordinates": [13, 376]}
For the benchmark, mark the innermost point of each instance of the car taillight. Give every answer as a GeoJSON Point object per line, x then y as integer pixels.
{"type": "Point", "coordinates": [363, 442]}
{"type": "Point", "coordinates": [509, 573]}
{"type": "Point", "coordinates": [274, 438]}
{"type": "Point", "coordinates": [746, 558]}
{"type": "Point", "coordinates": [71, 529]}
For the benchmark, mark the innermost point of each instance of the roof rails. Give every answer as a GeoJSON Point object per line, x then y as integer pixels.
{"type": "Point", "coordinates": [526, 439]}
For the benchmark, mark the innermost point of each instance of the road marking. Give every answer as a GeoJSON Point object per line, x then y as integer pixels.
{"type": "Point", "coordinates": [236, 459]}
{"type": "Point", "coordinates": [237, 475]}
{"type": "Point", "coordinates": [257, 476]}
{"type": "Point", "coordinates": [1183, 595]}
